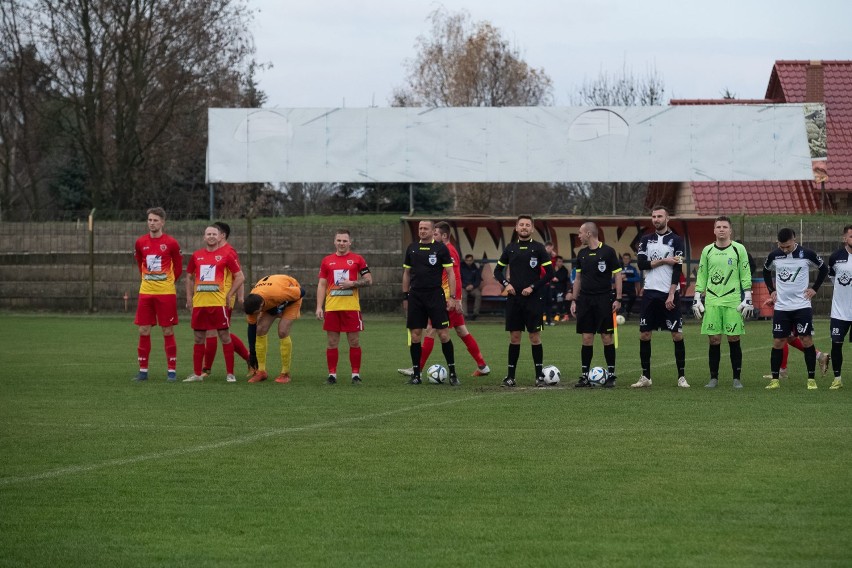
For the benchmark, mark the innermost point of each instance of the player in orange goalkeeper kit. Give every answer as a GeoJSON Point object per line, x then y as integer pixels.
{"type": "Point", "coordinates": [160, 264]}
{"type": "Point", "coordinates": [274, 297]}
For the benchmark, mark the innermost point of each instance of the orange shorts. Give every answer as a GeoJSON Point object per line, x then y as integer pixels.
{"type": "Point", "coordinates": [288, 310]}
{"type": "Point", "coordinates": [343, 321]}
{"type": "Point", "coordinates": [157, 309]}
{"type": "Point", "coordinates": [210, 317]}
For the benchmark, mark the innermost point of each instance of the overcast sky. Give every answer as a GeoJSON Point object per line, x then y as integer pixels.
{"type": "Point", "coordinates": [328, 53]}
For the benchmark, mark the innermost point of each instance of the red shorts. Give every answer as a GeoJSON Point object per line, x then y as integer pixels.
{"type": "Point", "coordinates": [157, 309]}
{"type": "Point", "coordinates": [343, 321]}
{"type": "Point", "coordinates": [210, 317]}
{"type": "Point", "coordinates": [456, 318]}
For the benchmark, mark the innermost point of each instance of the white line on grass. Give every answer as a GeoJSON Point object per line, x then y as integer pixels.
{"type": "Point", "coordinates": [71, 470]}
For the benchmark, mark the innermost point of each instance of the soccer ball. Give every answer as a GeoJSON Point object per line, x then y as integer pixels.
{"type": "Point", "coordinates": [436, 374]}
{"type": "Point", "coordinates": [597, 376]}
{"type": "Point", "coordinates": [620, 319]}
{"type": "Point", "coordinates": [551, 375]}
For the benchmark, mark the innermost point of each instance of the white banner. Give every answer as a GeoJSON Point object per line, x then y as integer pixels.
{"type": "Point", "coordinates": [509, 144]}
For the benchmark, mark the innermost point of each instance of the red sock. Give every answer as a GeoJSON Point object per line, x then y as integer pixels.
{"type": "Point", "coordinates": [331, 357]}
{"type": "Point", "coordinates": [785, 352]}
{"type": "Point", "coordinates": [210, 346]}
{"type": "Point", "coordinates": [144, 351]}
{"type": "Point", "coordinates": [355, 360]}
{"type": "Point", "coordinates": [171, 352]}
{"type": "Point", "coordinates": [197, 357]}
{"type": "Point", "coordinates": [473, 349]}
{"type": "Point", "coordinates": [240, 347]}
{"type": "Point", "coordinates": [797, 343]}
{"type": "Point", "coordinates": [228, 350]}
{"type": "Point", "coordinates": [426, 350]}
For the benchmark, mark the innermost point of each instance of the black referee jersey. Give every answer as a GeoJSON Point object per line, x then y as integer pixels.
{"type": "Point", "coordinates": [525, 260]}
{"type": "Point", "coordinates": [596, 268]}
{"type": "Point", "coordinates": [426, 263]}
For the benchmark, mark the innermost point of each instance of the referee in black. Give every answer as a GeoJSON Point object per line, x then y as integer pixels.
{"type": "Point", "coordinates": [594, 304]}
{"type": "Point", "coordinates": [423, 296]}
{"type": "Point", "coordinates": [530, 272]}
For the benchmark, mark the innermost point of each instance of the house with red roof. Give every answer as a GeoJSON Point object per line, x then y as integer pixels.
{"type": "Point", "coordinates": [826, 82]}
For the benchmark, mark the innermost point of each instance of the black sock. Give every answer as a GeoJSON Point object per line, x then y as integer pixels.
{"type": "Point", "coordinates": [449, 355]}
{"type": "Point", "coordinates": [714, 356]}
{"type": "Point", "coordinates": [736, 358]}
{"type": "Point", "coordinates": [680, 358]}
{"type": "Point", "coordinates": [775, 362]}
{"type": "Point", "coordinates": [586, 354]}
{"type": "Point", "coordinates": [836, 358]}
{"type": "Point", "coordinates": [609, 355]}
{"type": "Point", "coordinates": [538, 359]}
{"type": "Point", "coordinates": [514, 354]}
{"type": "Point", "coordinates": [645, 357]}
{"type": "Point", "coordinates": [810, 361]}
{"type": "Point", "coordinates": [416, 349]}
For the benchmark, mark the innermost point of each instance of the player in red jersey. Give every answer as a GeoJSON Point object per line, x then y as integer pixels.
{"type": "Point", "coordinates": [341, 275]}
{"type": "Point", "coordinates": [160, 264]}
{"type": "Point", "coordinates": [213, 277]}
{"type": "Point", "coordinates": [442, 234]}
{"type": "Point", "coordinates": [212, 342]}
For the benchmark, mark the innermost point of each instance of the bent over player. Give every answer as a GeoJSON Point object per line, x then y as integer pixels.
{"type": "Point", "coordinates": [274, 297]}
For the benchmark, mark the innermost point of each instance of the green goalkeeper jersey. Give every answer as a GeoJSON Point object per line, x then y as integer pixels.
{"type": "Point", "coordinates": [723, 273]}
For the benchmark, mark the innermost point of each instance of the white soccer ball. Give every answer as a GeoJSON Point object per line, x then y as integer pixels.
{"type": "Point", "coordinates": [620, 319]}
{"type": "Point", "coordinates": [552, 376]}
{"type": "Point", "coordinates": [436, 374]}
{"type": "Point", "coordinates": [597, 376]}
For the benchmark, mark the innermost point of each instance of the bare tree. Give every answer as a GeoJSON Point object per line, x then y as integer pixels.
{"type": "Point", "coordinates": [613, 90]}
{"type": "Point", "coordinates": [134, 80]}
{"type": "Point", "coordinates": [462, 63]}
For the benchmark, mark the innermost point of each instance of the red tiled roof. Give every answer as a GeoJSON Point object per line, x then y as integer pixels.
{"type": "Point", "coordinates": [788, 84]}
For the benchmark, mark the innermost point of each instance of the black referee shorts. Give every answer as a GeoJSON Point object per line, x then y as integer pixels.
{"type": "Point", "coordinates": [524, 312]}
{"type": "Point", "coordinates": [594, 314]}
{"type": "Point", "coordinates": [425, 305]}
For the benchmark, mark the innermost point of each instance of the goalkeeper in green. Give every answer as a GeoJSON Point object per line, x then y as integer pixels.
{"type": "Point", "coordinates": [724, 276]}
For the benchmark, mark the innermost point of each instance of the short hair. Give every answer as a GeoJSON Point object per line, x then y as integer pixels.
{"type": "Point", "coordinates": [591, 228]}
{"type": "Point", "coordinates": [224, 227]}
{"type": "Point", "coordinates": [559, 257]}
{"type": "Point", "coordinates": [443, 227]}
{"type": "Point", "coordinates": [252, 303]}
{"type": "Point", "coordinates": [548, 243]}
{"type": "Point", "coordinates": [659, 208]}
{"type": "Point", "coordinates": [786, 234]}
{"type": "Point", "coordinates": [158, 211]}
{"type": "Point", "coordinates": [430, 221]}
{"type": "Point", "coordinates": [528, 217]}
{"type": "Point", "coordinates": [724, 218]}
{"type": "Point", "coordinates": [468, 256]}
{"type": "Point", "coordinates": [847, 228]}
{"type": "Point", "coordinates": [343, 232]}
{"type": "Point", "coordinates": [627, 254]}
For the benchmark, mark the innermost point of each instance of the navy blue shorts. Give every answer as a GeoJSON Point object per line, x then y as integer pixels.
{"type": "Point", "coordinates": [796, 322]}
{"type": "Point", "coordinates": [839, 329]}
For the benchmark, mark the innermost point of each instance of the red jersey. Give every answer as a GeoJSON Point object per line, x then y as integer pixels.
{"type": "Point", "coordinates": [335, 268]}
{"type": "Point", "coordinates": [445, 281]}
{"type": "Point", "coordinates": [213, 272]}
{"type": "Point", "coordinates": [160, 263]}
{"type": "Point", "coordinates": [229, 250]}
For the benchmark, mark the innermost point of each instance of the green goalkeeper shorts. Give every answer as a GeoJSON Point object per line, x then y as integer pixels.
{"type": "Point", "coordinates": [722, 320]}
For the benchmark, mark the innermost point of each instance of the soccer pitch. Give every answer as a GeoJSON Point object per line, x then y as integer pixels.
{"type": "Point", "coordinates": [97, 470]}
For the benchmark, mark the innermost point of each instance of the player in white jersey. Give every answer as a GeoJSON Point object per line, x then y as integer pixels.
{"type": "Point", "coordinates": [840, 270]}
{"type": "Point", "coordinates": [791, 293]}
{"type": "Point", "coordinates": [660, 255]}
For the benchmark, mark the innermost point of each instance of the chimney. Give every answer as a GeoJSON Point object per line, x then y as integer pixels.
{"type": "Point", "coordinates": [814, 91]}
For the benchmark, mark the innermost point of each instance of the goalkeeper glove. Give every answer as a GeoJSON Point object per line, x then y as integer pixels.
{"type": "Point", "coordinates": [746, 308]}
{"type": "Point", "coordinates": [697, 306]}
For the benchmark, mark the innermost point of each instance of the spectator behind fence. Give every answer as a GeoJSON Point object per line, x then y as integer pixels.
{"type": "Point", "coordinates": [471, 274]}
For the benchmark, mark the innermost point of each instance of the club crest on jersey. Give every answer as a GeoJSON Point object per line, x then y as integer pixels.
{"type": "Point", "coordinates": [533, 262]}
{"type": "Point", "coordinates": [602, 266]}
{"type": "Point", "coordinates": [163, 247]}
{"type": "Point", "coordinates": [844, 279]}
{"type": "Point", "coordinates": [433, 259]}
{"type": "Point", "coordinates": [350, 262]}
{"type": "Point", "coordinates": [802, 328]}
{"type": "Point", "coordinates": [218, 257]}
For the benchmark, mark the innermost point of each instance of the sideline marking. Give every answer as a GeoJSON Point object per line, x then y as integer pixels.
{"type": "Point", "coordinates": [7, 481]}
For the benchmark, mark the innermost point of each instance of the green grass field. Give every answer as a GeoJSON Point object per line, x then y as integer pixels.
{"type": "Point", "coordinates": [97, 470]}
